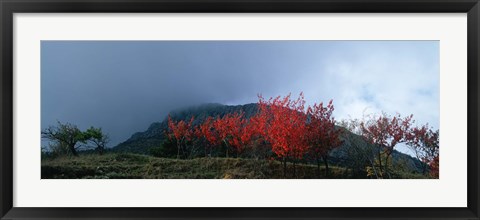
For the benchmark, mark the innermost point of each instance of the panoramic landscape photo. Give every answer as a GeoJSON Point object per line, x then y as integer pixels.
{"type": "Point", "coordinates": [240, 110]}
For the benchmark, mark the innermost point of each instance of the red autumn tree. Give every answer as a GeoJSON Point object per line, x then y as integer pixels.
{"type": "Point", "coordinates": [322, 135]}
{"type": "Point", "coordinates": [229, 129]}
{"type": "Point", "coordinates": [425, 143]}
{"type": "Point", "coordinates": [206, 132]}
{"type": "Point", "coordinates": [386, 132]}
{"type": "Point", "coordinates": [253, 135]}
{"type": "Point", "coordinates": [182, 132]}
{"type": "Point", "coordinates": [247, 133]}
{"type": "Point", "coordinates": [233, 130]}
{"type": "Point", "coordinates": [286, 127]}
{"type": "Point", "coordinates": [434, 167]}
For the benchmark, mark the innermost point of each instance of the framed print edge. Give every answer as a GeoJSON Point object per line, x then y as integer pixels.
{"type": "Point", "coordinates": [8, 8]}
{"type": "Point", "coordinates": [6, 120]}
{"type": "Point", "coordinates": [473, 108]}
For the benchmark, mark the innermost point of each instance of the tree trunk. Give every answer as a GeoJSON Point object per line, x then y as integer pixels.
{"type": "Point", "coordinates": [178, 151]}
{"type": "Point", "coordinates": [192, 150]}
{"type": "Point", "coordinates": [73, 150]}
{"type": "Point", "coordinates": [386, 163]}
{"type": "Point", "coordinates": [184, 151]}
{"type": "Point", "coordinates": [294, 168]}
{"type": "Point", "coordinates": [318, 166]}
{"type": "Point", "coordinates": [373, 167]}
{"type": "Point", "coordinates": [284, 167]}
{"type": "Point", "coordinates": [226, 148]}
{"type": "Point", "coordinates": [380, 163]}
{"type": "Point", "coordinates": [325, 161]}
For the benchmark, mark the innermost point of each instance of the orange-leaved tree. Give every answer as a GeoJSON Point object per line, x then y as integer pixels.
{"type": "Point", "coordinates": [207, 134]}
{"type": "Point", "coordinates": [386, 132]}
{"type": "Point", "coordinates": [182, 132]}
{"type": "Point", "coordinates": [229, 128]}
{"type": "Point", "coordinates": [425, 143]}
{"type": "Point", "coordinates": [286, 127]}
{"type": "Point", "coordinates": [322, 135]}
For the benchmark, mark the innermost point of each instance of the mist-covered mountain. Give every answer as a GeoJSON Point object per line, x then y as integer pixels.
{"type": "Point", "coordinates": [154, 136]}
{"type": "Point", "coordinates": [355, 151]}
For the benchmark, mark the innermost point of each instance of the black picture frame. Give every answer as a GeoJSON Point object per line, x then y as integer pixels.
{"type": "Point", "coordinates": [9, 7]}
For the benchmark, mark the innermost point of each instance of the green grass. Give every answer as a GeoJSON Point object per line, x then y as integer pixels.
{"type": "Point", "coordinates": [137, 166]}
{"type": "Point", "coordinates": [134, 166]}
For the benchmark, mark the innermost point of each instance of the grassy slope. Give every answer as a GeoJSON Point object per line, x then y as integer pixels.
{"type": "Point", "coordinates": [119, 166]}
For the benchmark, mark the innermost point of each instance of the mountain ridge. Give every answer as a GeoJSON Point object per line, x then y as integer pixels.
{"type": "Point", "coordinates": [154, 136]}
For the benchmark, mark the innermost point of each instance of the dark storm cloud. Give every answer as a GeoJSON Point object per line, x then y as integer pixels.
{"type": "Point", "coordinates": [125, 86]}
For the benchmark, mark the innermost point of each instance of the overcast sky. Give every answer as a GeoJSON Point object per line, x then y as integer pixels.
{"type": "Point", "coordinates": [124, 86]}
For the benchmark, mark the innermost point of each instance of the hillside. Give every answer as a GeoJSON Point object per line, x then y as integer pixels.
{"type": "Point", "coordinates": [134, 166]}
{"type": "Point", "coordinates": [154, 136]}
{"type": "Point", "coordinates": [353, 147]}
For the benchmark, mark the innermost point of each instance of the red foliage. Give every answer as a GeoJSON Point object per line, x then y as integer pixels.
{"type": "Point", "coordinates": [434, 167]}
{"type": "Point", "coordinates": [387, 132]}
{"type": "Point", "coordinates": [206, 132]}
{"type": "Point", "coordinates": [181, 130]}
{"type": "Point", "coordinates": [292, 131]}
{"type": "Point", "coordinates": [255, 129]}
{"type": "Point", "coordinates": [425, 143]}
{"type": "Point", "coordinates": [229, 129]}
{"type": "Point", "coordinates": [285, 126]}
{"type": "Point", "coordinates": [321, 132]}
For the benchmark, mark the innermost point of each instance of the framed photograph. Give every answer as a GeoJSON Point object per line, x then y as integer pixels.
{"type": "Point", "coordinates": [239, 109]}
